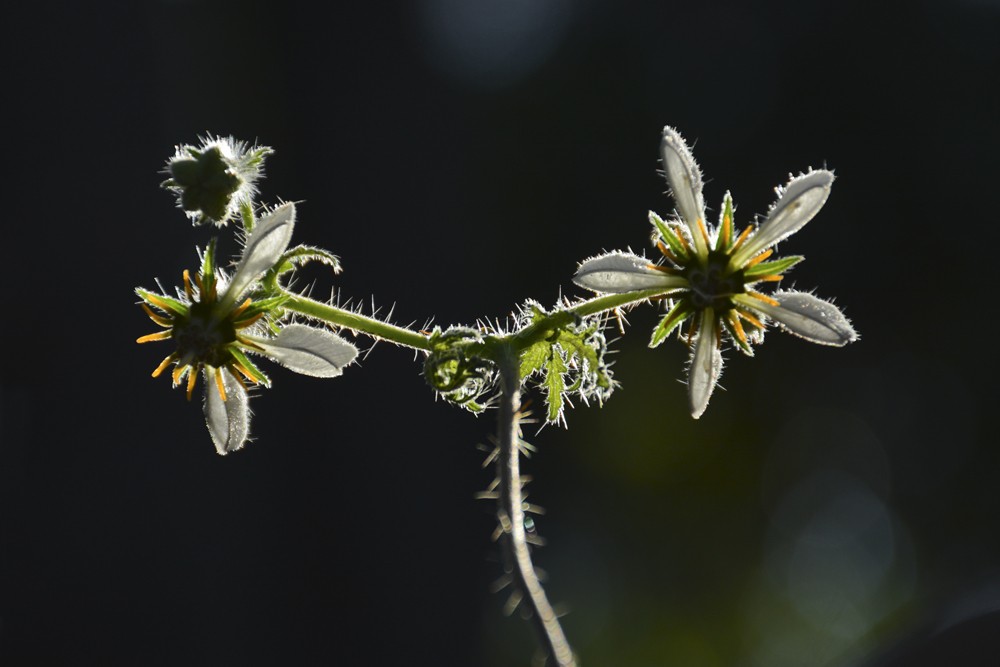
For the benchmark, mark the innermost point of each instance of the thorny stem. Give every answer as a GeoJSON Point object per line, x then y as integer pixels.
{"type": "Point", "coordinates": [511, 510]}
{"type": "Point", "coordinates": [408, 338]}
{"type": "Point", "coordinates": [356, 322]}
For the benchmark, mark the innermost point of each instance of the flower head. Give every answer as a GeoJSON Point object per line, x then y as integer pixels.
{"type": "Point", "coordinates": [214, 180]}
{"type": "Point", "coordinates": [711, 276]}
{"type": "Point", "coordinates": [215, 323]}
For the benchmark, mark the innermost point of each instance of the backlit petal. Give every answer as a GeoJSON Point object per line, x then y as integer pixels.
{"type": "Point", "coordinates": [228, 420]}
{"type": "Point", "coordinates": [706, 365]}
{"type": "Point", "coordinates": [811, 318]}
{"type": "Point", "coordinates": [684, 179]}
{"type": "Point", "coordinates": [800, 200]}
{"type": "Point", "coordinates": [620, 272]}
{"type": "Point", "coordinates": [309, 351]}
{"type": "Point", "coordinates": [267, 242]}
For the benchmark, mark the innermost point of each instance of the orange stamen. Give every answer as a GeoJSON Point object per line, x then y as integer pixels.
{"type": "Point", "coordinates": [220, 384]}
{"type": "Point", "coordinates": [178, 374]}
{"type": "Point", "coordinates": [158, 302]}
{"type": "Point", "coordinates": [773, 278]}
{"type": "Point", "coordinates": [687, 248]}
{"type": "Point", "coordinates": [159, 335]}
{"type": "Point", "coordinates": [727, 232]}
{"type": "Point", "coordinates": [759, 258]}
{"type": "Point", "coordinates": [163, 365]}
{"type": "Point", "coordinates": [762, 297]}
{"type": "Point", "coordinates": [238, 311]}
{"type": "Point", "coordinates": [187, 285]}
{"type": "Point", "coordinates": [664, 269]}
{"type": "Point", "coordinates": [741, 239]}
{"type": "Point", "coordinates": [248, 322]}
{"type": "Point", "coordinates": [704, 232]}
{"type": "Point", "coordinates": [751, 319]}
{"type": "Point", "coordinates": [734, 320]}
{"type": "Point", "coordinates": [192, 380]}
{"type": "Point", "coordinates": [666, 252]}
{"type": "Point", "coordinates": [159, 319]}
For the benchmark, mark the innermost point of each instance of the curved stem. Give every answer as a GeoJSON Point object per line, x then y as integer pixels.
{"type": "Point", "coordinates": [355, 322]}
{"type": "Point", "coordinates": [511, 510]}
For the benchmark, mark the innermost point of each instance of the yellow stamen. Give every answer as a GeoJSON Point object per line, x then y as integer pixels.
{"type": "Point", "coordinates": [220, 384]}
{"type": "Point", "coordinates": [762, 297]}
{"type": "Point", "coordinates": [246, 372]}
{"type": "Point", "coordinates": [187, 285]}
{"type": "Point", "coordinates": [192, 380]}
{"type": "Point", "coordinates": [773, 278]}
{"type": "Point", "coordinates": [734, 320]}
{"type": "Point", "coordinates": [741, 239]}
{"type": "Point", "coordinates": [178, 374]}
{"type": "Point", "coordinates": [759, 258]}
{"type": "Point", "coordinates": [159, 319]}
{"type": "Point", "coordinates": [666, 252]}
{"type": "Point", "coordinates": [704, 232]}
{"type": "Point", "coordinates": [159, 335]}
{"type": "Point", "coordinates": [664, 269]}
{"type": "Point", "coordinates": [163, 365]}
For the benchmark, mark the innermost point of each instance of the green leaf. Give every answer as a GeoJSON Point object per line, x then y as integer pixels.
{"type": "Point", "coordinates": [555, 386]}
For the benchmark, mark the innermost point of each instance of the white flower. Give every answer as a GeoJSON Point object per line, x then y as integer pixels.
{"type": "Point", "coordinates": [214, 325]}
{"type": "Point", "coordinates": [711, 274]}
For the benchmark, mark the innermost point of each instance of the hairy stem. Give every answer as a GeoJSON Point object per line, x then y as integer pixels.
{"type": "Point", "coordinates": [356, 322]}
{"type": "Point", "coordinates": [511, 511]}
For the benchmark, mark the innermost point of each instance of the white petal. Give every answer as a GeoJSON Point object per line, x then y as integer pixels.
{"type": "Point", "coordinates": [706, 365]}
{"type": "Point", "coordinates": [268, 240]}
{"type": "Point", "coordinates": [309, 351]}
{"type": "Point", "coordinates": [228, 420]}
{"type": "Point", "coordinates": [684, 178]}
{"type": "Point", "coordinates": [799, 202]}
{"type": "Point", "coordinates": [809, 317]}
{"type": "Point", "coordinates": [620, 272]}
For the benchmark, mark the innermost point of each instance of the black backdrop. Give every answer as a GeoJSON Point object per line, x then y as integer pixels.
{"type": "Point", "coordinates": [832, 507]}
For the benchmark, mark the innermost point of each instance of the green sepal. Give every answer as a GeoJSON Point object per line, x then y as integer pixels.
{"type": "Point", "coordinates": [174, 306]}
{"type": "Point", "coordinates": [262, 306]}
{"type": "Point", "coordinates": [669, 236]}
{"type": "Point", "coordinates": [243, 360]}
{"type": "Point", "coordinates": [773, 268]}
{"type": "Point", "coordinates": [727, 211]}
{"type": "Point", "coordinates": [208, 267]}
{"type": "Point", "coordinates": [674, 317]}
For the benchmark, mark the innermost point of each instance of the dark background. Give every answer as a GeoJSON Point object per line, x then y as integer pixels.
{"type": "Point", "coordinates": [833, 507]}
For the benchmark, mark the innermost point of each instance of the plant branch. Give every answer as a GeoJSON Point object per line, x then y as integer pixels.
{"type": "Point", "coordinates": [511, 510]}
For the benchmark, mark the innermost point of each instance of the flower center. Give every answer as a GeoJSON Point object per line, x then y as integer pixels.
{"type": "Point", "coordinates": [203, 336]}
{"type": "Point", "coordinates": [711, 286]}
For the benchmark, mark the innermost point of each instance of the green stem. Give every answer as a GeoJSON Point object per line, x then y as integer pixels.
{"type": "Point", "coordinates": [355, 322]}
{"type": "Point", "coordinates": [414, 339]}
